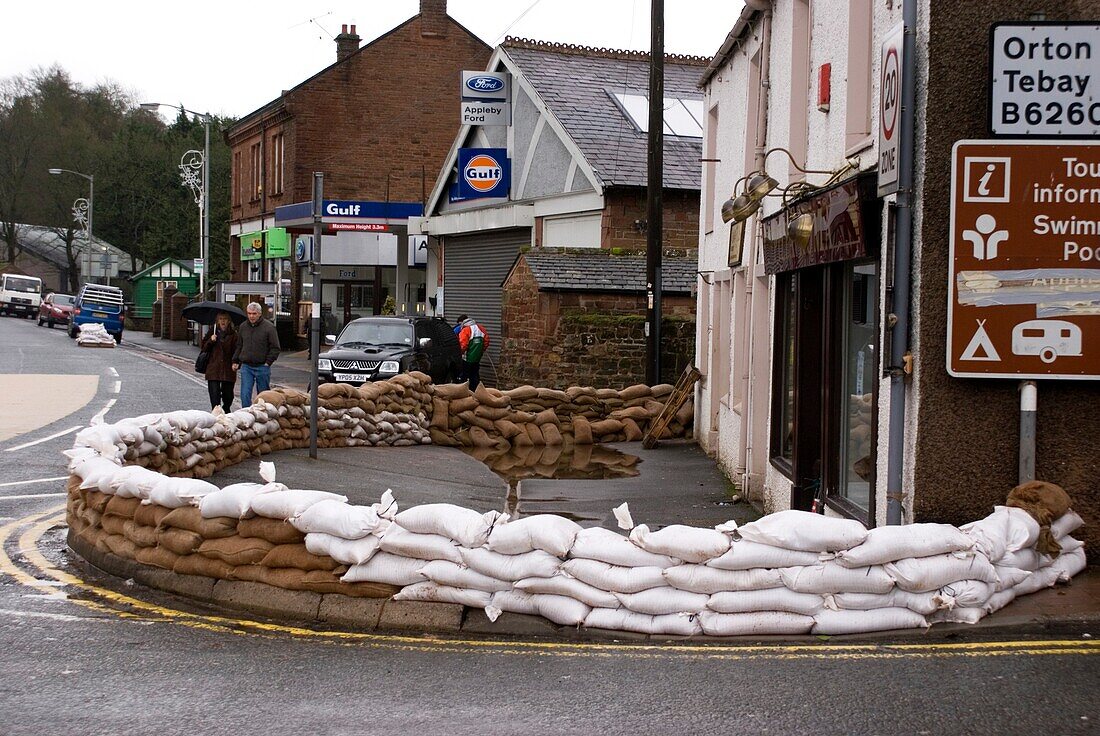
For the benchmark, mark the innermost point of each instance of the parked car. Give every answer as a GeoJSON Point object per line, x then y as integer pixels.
{"type": "Point", "coordinates": [102, 304]}
{"type": "Point", "coordinates": [56, 309]}
{"type": "Point", "coordinates": [20, 295]}
{"type": "Point", "coordinates": [376, 348]}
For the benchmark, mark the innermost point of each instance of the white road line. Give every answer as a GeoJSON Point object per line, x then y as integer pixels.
{"type": "Point", "coordinates": [98, 418]}
{"type": "Point", "coordinates": [51, 616]}
{"type": "Point", "coordinates": [70, 430]}
{"type": "Point", "coordinates": [161, 363]}
{"type": "Point", "coordinates": [116, 387]}
{"type": "Point", "coordinates": [113, 372]}
{"type": "Point", "coordinates": [31, 495]}
{"type": "Point", "coordinates": [29, 482]}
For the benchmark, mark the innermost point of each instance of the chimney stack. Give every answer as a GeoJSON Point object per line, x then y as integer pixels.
{"type": "Point", "coordinates": [433, 18]}
{"type": "Point", "coordinates": [347, 43]}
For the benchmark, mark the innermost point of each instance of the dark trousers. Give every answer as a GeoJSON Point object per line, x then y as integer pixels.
{"type": "Point", "coordinates": [473, 372]}
{"type": "Point", "coordinates": [221, 392]}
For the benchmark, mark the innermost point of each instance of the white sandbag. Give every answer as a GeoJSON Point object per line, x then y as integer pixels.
{"type": "Point", "coordinates": [386, 568]}
{"type": "Point", "coordinates": [338, 518]}
{"type": "Point", "coordinates": [454, 575]}
{"type": "Point", "coordinates": [958, 616]}
{"type": "Point", "coordinates": [77, 455]}
{"type": "Point", "coordinates": [344, 551]}
{"type": "Point", "coordinates": [614, 578]}
{"type": "Point", "coordinates": [134, 481]}
{"type": "Point", "coordinates": [922, 603]}
{"type": "Point", "coordinates": [535, 564]}
{"type": "Point", "coordinates": [890, 543]}
{"type": "Point", "coordinates": [1042, 578]}
{"type": "Point", "coordinates": [804, 531]}
{"type": "Point", "coordinates": [429, 591]}
{"type": "Point", "coordinates": [400, 541]}
{"type": "Point", "coordinates": [768, 599]}
{"type": "Point", "coordinates": [465, 526]}
{"type": "Point", "coordinates": [622, 516]}
{"type": "Point", "coordinates": [745, 555]}
{"type": "Point", "coordinates": [559, 609]}
{"type": "Point", "coordinates": [386, 508]}
{"type": "Point", "coordinates": [703, 579]}
{"type": "Point", "coordinates": [176, 493]}
{"type": "Point", "coordinates": [1066, 524]}
{"type": "Point", "coordinates": [663, 600]}
{"type": "Point", "coordinates": [1068, 544]}
{"type": "Point", "coordinates": [687, 543]}
{"type": "Point", "coordinates": [235, 500]}
{"type": "Point", "coordinates": [1009, 577]}
{"type": "Point", "coordinates": [1069, 563]}
{"type": "Point", "coordinates": [919, 574]}
{"type": "Point", "coordinates": [999, 600]}
{"type": "Point", "coordinates": [96, 473]}
{"type": "Point", "coordinates": [830, 577]}
{"type": "Point", "coordinates": [550, 533]}
{"type": "Point", "coordinates": [964, 594]}
{"type": "Point", "coordinates": [607, 546]}
{"type": "Point", "coordinates": [834, 623]}
{"type": "Point", "coordinates": [759, 623]}
{"type": "Point", "coordinates": [267, 471]}
{"type": "Point", "coordinates": [285, 505]}
{"type": "Point", "coordinates": [622, 619]}
{"type": "Point", "coordinates": [1007, 529]}
{"type": "Point", "coordinates": [569, 587]}
{"type": "Point", "coordinates": [1024, 559]}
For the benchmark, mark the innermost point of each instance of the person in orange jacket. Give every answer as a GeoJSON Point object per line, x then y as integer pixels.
{"type": "Point", "coordinates": [473, 340]}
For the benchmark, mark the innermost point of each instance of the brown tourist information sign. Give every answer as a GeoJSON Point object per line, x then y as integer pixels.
{"type": "Point", "coordinates": [1024, 292]}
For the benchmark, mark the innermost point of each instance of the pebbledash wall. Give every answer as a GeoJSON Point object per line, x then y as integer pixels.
{"type": "Point", "coordinates": [961, 447]}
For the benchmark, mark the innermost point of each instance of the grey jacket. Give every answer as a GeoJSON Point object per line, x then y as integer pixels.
{"type": "Point", "coordinates": [257, 344]}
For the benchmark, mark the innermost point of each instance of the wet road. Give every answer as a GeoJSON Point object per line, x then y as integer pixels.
{"type": "Point", "coordinates": [83, 653]}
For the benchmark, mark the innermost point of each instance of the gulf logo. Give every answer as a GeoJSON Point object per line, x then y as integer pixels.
{"type": "Point", "coordinates": [483, 173]}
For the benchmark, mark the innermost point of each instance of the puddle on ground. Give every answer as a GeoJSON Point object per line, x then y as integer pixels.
{"type": "Point", "coordinates": [578, 462]}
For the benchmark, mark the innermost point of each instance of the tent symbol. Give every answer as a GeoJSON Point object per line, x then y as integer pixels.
{"type": "Point", "coordinates": [980, 346]}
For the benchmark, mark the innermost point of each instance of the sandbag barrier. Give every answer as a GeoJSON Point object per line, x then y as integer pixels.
{"type": "Point", "coordinates": [788, 573]}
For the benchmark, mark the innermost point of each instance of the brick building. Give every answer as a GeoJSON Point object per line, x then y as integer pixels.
{"type": "Point", "coordinates": [577, 317]}
{"type": "Point", "coordinates": [378, 123]}
{"type": "Point", "coordinates": [576, 148]}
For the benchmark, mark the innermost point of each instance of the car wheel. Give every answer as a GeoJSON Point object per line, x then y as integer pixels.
{"type": "Point", "coordinates": [39, 321]}
{"type": "Point", "coordinates": [49, 323]}
{"type": "Point", "coordinates": [73, 332]}
{"type": "Point", "coordinates": [118, 338]}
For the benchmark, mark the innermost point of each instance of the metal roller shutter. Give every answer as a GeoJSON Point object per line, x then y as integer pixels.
{"type": "Point", "coordinates": [475, 266]}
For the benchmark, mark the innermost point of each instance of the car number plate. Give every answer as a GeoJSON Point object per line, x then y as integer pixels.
{"type": "Point", "coordinates": [349, 377]}
{"type": "Point", "coordinates": [99, 314]}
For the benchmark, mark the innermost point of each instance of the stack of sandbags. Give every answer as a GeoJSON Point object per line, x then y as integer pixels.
{"type": "Point", "coordinates": [94, 335]}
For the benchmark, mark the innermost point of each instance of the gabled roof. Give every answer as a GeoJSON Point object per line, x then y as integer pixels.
{"type": "Point", "coordinates": [599, 269]}
{"type": "Point", "coordinates": [44, 242]}
{"type": "Point", "coordinates": [182, 264]}
{"type": "Point", "coordinates": [576, 83]}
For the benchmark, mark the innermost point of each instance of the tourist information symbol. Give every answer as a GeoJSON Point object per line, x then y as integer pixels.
{"type": "Point", "coordinates": [1024, 269]}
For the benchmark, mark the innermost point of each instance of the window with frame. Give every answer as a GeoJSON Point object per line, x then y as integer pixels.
{"type": "Point", "coordinates": [236, 178]}
{"type": "Point", "coordinates": [277, 164]}
{"type": "Point", "coordinates": [162, 285]}
{"type": "Point", "coordinates": [255, 166]}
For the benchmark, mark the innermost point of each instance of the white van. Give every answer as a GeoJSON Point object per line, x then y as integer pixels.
{"type": "Point", "coordinates": [1047, 338]}
{"type": "Point", "coordinates": [20, 295]}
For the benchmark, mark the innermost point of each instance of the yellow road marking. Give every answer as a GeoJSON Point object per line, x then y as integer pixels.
{"type": "Point", "coordinates": [39, 524]}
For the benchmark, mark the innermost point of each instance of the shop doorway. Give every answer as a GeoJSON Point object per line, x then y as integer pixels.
{"type": "Point", "coordinates": [344, 301]}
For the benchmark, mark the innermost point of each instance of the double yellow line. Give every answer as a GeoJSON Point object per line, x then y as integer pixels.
{"type": "Point", "coordinates": [46, 577]}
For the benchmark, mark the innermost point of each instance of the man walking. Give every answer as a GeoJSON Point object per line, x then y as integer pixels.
{"type": "Point", "coordinates": [473, 340]}
{"type": "Point", "coordinates": [257, 348]}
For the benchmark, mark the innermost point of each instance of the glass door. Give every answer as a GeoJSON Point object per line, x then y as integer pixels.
{"type": "Point", "coordinates": [359, 302]}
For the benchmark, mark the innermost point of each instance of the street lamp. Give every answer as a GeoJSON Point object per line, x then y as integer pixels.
{"type": "Point", "coordinates": [83, 209]}
{"type": "Point", "coordinates": [195, 172]}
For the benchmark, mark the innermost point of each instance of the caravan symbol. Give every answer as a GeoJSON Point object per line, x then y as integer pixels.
{"type": "Point", "coordinates": [1047, 338]}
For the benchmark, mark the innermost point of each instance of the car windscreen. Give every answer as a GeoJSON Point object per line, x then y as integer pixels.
{"type": "Point", "coordinates": [377, 333]}
{"type": "Point", "coordinates": [27, 286]}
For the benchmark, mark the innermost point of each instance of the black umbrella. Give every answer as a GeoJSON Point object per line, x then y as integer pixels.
{"type": "Point", "coordinates": [206, 313]}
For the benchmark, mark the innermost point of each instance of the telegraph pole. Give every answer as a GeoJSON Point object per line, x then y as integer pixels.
{"type": "Point", "coordinates": [315, 315]}
{"type": "Point", "coordinates": [654, 184]}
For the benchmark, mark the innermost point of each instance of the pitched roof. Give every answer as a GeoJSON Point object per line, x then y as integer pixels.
{"type": "Point", "coordinates": [182, 264]}
{"type": "Point", "coordinates": [576, 84]}
{"type": "Point", "coordinates": [47, 244]}
{"type": "Point", "coordinates": [599, 269]}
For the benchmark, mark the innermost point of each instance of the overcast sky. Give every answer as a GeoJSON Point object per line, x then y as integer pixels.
{"type": "Point", "coordinates": [231, 57]}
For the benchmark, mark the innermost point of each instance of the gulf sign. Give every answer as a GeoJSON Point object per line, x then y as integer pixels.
{"type": "Point", "coordinates": [483, 172]}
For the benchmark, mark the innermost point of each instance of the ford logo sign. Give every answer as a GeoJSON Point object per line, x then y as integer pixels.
{"type": "Point", "coordinates": [484, 84]}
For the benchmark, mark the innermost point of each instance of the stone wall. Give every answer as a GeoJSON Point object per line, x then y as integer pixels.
{"type": "Point", "coordinates": [560, 339]}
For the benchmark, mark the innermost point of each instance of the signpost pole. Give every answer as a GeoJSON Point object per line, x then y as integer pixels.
{"type": "Point", "coordinates": [1029, 401]}
{"type": "Point", "coordinates": [315, 317]}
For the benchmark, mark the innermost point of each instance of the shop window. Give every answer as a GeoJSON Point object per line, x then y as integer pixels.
{"type": "Point", "coordinates": [710, 166]}
{"type": "Point", "coordinates": [786, 300]}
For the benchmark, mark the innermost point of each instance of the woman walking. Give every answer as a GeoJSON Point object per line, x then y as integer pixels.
{"type": "Point", "coordinates": [220, 344]}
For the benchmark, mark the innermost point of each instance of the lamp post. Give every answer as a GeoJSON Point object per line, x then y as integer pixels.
{"type": "Point", "coordinates": [83, 209]}
{"type": "Point", "coordinates": [195, 172]}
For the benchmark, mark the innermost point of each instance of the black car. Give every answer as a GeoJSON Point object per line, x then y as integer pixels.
{"type": "Point", "coordinates": [376, 348]}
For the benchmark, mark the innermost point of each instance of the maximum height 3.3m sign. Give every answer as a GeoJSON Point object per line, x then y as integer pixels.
{"type": "Point", "coordinates": [1024, 275]}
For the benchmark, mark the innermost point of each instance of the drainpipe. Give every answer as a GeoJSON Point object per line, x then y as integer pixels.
{"type": "Point", "coordinates": [903, 243]}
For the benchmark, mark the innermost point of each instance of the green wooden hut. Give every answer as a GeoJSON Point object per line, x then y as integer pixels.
{"type": "Point", "coordinates": [149, 284]}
